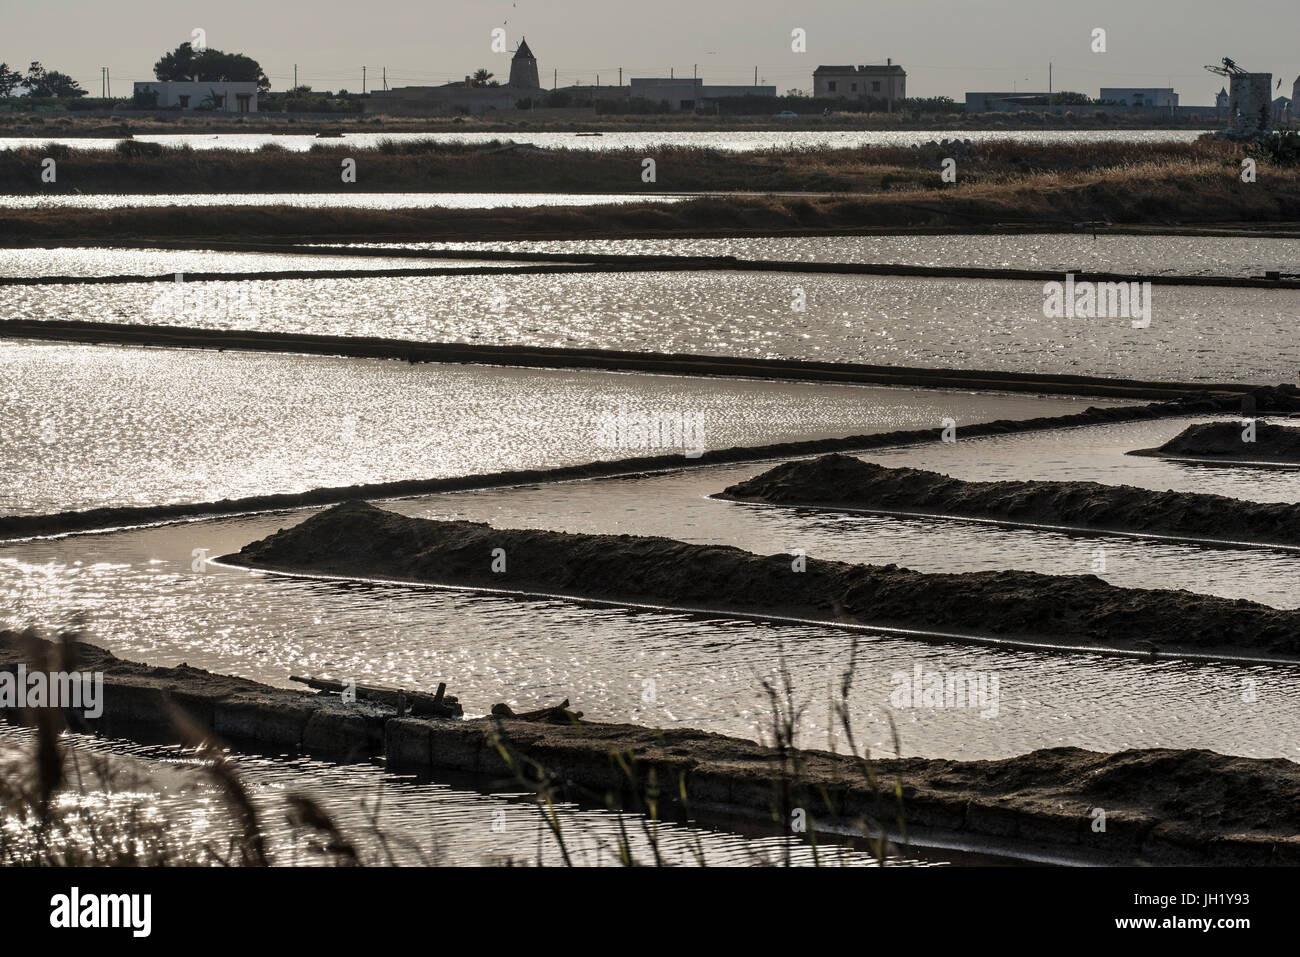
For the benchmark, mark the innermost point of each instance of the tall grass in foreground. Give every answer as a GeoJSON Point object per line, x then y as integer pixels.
{"type": "Point", "coordinates": [643, 798]}
{"type": "Point", "coordinates": [64, 806]}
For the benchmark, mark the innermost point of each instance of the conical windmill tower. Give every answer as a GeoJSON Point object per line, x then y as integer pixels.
{"type": "Point", "coordinates": [523, 68]}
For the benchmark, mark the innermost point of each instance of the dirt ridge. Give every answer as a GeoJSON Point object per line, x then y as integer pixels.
{"type": "Point", "coordinates": [358, 540]}
{"type": "Point", "coordinates": [842, 481]}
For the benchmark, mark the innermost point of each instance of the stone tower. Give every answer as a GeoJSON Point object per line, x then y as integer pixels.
{"type": "Point", "coordinates": [523, 68]}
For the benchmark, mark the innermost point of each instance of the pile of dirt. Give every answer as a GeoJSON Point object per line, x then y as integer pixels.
{"type": "Point", "coordinates": [1225, 440]}
{"type": "Point", "coordinates": [358, 540]}
{"type": "Point", "coordinates": [841, 481]}
{"type": "Point", "coordinates": [1160, 804]}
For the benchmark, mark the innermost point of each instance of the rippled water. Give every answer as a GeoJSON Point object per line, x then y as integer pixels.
{"type": "Point", "coordinates": [1154, 255]}
{"type": "Point", "coordinates": [739, 141]}
{"type": "Point", "coordinates": [109, 261]}
{"type": "Point", "coordinates": [1096, 455]}
{"type": "Point", "coordinates": [85, 426]}
{"type": "Point", "coordinates": [1198, 334]}
{"type": "Point", "coordinates": [1146, 255]}
{"type": "Point", "coordinates": [678, 506]}
{"type": "Point", "coordinates": [336, 200]}
{"type": "Point", "coordinates": [423, 822]}
{"type": "Point", "coordinates": [138, 592]}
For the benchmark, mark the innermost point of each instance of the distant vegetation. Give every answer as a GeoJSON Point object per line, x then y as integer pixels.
{"type": "Point", "coordinates": [433, 165]}
{"type": "Point", "coordinates": [1037, 186]}
{"type": "Point", "coordinates": [38, 82]}
{"type": "Point", "coordinates": [209, 66]}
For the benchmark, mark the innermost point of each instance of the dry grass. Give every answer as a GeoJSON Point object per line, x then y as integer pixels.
{"type": "Point", "coordinates": [1201, 192]}
{"type": "Point", "coordinates": [425, 166]}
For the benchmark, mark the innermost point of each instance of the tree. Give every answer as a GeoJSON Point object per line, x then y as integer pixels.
{"type": "Point", "coordinates": [1066, 98]}
{"type": "Point", "coordinates": [42, 82]}
{"type": "Point", "coordinates": [210, 66]}
{"type": "Point", "coordinates": [10, 80]}
{"type": "Point", "coordinates": [483, 78]}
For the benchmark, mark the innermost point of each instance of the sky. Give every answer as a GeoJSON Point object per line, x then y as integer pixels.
{"type": "Point", "coordinates": [946, 46]}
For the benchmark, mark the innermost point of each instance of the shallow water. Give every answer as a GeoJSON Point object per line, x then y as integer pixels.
{"type": "Point", "coordinates": [740, 142]}
{"type": "Point", "coordinates": [424, 822]}
{"type": "Point", "coordinates": [108, 261]}
{"type": "Point", "coordinates": [679, 505]}
{"type": "Point", "coordinates": [141, 594]}
{"type": "Point", "coordinates": [1147, 255]}
{"type": "Point", "coordinates": [86, 426]}
{"type": "Point", "coordinates": [1097, 455]}
{"type": "Point", "coordinates": [338, 200]}
{"type": "Point", "coordinates": [1197, 334]}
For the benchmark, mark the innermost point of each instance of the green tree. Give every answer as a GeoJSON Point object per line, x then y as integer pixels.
{"type": "Point", "coordinates": [10, 80]}
{"type": "Point", "coordinates": [210, 66]}
{"type": "Point", "coordinates": [1066, 98]}
{"type": "Point", "coordinates": [42, 82]}
{"type": "Point", "coordinates": [483, 78]}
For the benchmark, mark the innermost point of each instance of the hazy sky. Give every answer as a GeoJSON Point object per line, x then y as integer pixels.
{"type": "Point", "coordinates": [946, 46]}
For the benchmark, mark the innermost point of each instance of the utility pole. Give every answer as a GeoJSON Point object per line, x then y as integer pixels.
{"type": "Point", "coordinates": [695, 72]}
{"type": "Point", "coordinates": [755, 76]}
{"type": "Point", "coordinates": [108, 74]}
{"type": "Point", "coordinates": [295, 76]}
{"type": "Point", "coordinates": [385, 77]}
{"type": "Point", "coordinates": [102, 82]}
{"type": "Point", "coordinates": [555, 78]}
{"type": "Point", "coordinates": [1049, 82]}
{"type": "Point", "coordinates": [363, 80]}
{"type": "Point", "coordinates": [620, 76]}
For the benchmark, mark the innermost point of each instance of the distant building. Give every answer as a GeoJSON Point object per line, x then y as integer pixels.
{"type": "Point", "coordinates": [1282, 111]}
{"type": "Point", "coordinates": [222, 96]}
{"type": "Point", "coordinates": [465, 97]}
{"type": "Point", "coordinates": [1160, 97]}
{"type": "Point", "coordinates": [1250, 103]}
{"type": "Point", "coordinates": [1005, 102]}
{"type": "Point", "coordinates": [689, 93]}
{"type": "Point", "coordinates": [1221, 100]}
{"type": "Point", "coordinates": [523, 68]}
{"type": "Point", "coordinates": [887, 82]}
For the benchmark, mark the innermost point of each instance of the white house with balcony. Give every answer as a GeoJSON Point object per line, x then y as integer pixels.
{"type": "Point", "coordinates": [224, 96]}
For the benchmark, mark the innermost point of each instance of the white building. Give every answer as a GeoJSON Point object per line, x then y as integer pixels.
{"type": "Point", "coordinates": [220, 95]}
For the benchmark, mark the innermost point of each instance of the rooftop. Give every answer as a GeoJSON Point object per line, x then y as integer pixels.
{"type": "Point", "coordinates": [870, 68]}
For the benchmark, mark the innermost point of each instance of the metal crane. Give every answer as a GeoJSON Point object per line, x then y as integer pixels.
{"type": "Point", "coordinates": [1229, 68]}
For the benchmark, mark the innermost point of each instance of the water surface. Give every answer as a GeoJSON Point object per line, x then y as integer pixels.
{"type": "Point", "coordinates": [736, 142]}
{"type": "Point", "coordinates": [85, 426]}
{"type": "Point", "coordinates": [1197, 334]}
{"type": "Point", "coordinates": [1063, 252]}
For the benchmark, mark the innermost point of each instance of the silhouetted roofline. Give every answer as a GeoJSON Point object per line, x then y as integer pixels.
{"type": "Point", "coordinates": [870, 68]}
